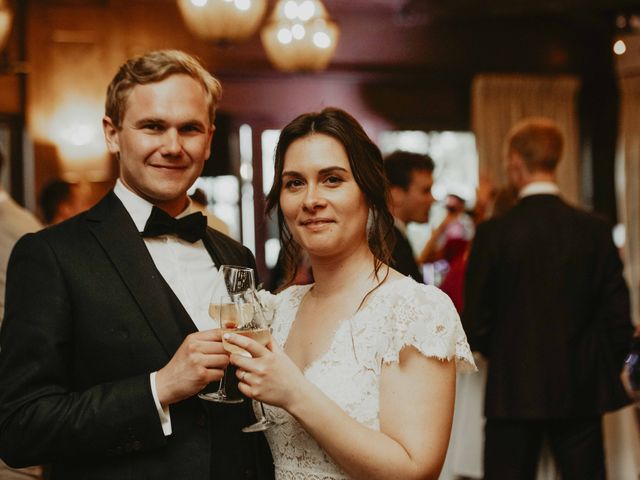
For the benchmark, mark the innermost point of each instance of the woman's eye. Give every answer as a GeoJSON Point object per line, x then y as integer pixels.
{"type": "Point", "coordinates": [333, 180]}
{"type": "Point", "coordinates": [294, 183]}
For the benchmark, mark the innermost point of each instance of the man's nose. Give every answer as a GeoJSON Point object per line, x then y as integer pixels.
{"type": "Point", "coordinates": [171, 142]}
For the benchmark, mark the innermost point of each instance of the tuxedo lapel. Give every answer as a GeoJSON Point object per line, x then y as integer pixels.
{"type": "Point", "coordinates": [209, 244]}
{"type": "Point", "coordinates": [114, 229]}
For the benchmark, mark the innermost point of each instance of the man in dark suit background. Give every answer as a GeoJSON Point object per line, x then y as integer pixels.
{"type": "Point", "coordinates": [410, 177]}
{"type": "Point", "coordinates": [106, 339]}
{"type": "Point", "coordinates": [546, 303]}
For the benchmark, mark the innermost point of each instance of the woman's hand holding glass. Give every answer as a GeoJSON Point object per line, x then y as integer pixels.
{"type": "Point", "coordinates": [269, 375]}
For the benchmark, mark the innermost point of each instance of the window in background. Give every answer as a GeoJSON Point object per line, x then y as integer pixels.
{"type": "Point", "coordinates": [222, 194]}
{"type": "Point", "coordinates": [272, 244]}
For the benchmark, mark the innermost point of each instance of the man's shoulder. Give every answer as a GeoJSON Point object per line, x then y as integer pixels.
{"type": "Point", "coordinates": [581, 217]}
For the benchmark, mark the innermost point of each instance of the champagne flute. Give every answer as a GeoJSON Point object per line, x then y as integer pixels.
{"type": "Point", "coordinates": [237, 279]}
{"type": "Point", "coordinates": [251, 323]}
{"type": "Point", "coordinates": [223, 311]}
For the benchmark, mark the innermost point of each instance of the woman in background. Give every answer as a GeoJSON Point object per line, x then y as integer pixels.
{"type": "Point", "coordinates": [360, 374]}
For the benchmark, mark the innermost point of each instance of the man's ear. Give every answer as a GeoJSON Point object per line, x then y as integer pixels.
{"type": "Point", "coordinates": [211, 132]}
{"type": "Point", "coordinates": [111, 135]}
{"type": "Point", "coordinates": [396, 194]}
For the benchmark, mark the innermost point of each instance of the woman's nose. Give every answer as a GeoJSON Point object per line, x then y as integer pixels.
{"type": "Point", "coordinates": [313, 198]}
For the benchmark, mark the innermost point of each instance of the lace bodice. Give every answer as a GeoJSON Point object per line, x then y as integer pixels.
{"type": "Point", "coordinates": [400, 313]}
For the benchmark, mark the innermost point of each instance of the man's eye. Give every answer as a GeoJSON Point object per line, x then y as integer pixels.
{"type": "Point", "coordinates": [191, 129]}
{"type": "Point", "coordinates": [155, 127]}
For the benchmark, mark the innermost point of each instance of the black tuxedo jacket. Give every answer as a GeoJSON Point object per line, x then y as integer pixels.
{"type": "Point", "coordinates": [546, 303]}
{"type": "Point", "coordinates": [403, 259]}
{"type": "Point", "coordinates": [88, 318]}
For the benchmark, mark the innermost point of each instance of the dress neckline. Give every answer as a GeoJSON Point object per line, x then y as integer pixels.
{"type": "Point", "coordinates": [304, 290]}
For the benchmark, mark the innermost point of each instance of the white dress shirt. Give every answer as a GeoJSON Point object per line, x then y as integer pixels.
{"type": "Point", "coordinates": [539, 188]}
{"type": "Point", "coordinates": [186, 267]}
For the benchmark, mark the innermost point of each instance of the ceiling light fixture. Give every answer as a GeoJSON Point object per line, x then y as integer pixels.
{"type": "Point", "coordinates": [223, 21]}
{"type": "Point", "coordinates": [300, 36]}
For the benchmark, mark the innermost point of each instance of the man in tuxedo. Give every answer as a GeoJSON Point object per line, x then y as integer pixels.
{"type": "Point", "coordinates": [410, 177]}
{"type": "Point", "coordinates": [546, 303]}
{"type": "Point", "coordinates": [15, 221]}
{"type": "Point", "coordinates": [106, 341]}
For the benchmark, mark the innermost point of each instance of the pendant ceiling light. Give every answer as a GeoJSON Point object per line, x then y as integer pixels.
{"type": "Point", "coordinates": [5, 23]}
{"type": "Point", "coordinates": [223, 21]}
{"type": "Point", "coordinates": [299, 36]}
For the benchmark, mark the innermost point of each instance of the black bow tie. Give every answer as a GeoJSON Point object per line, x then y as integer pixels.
{"type": "Point", "coordinates": [190, 228]}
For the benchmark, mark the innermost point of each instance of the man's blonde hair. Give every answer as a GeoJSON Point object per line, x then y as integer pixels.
{"type": "Point", "coordinates": [154, 67]}
{"type": "Point", "coordinates": [538, 141]}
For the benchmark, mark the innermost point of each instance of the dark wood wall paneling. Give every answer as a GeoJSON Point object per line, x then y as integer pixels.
{"type": "Point", "coordinates": [403, 64]}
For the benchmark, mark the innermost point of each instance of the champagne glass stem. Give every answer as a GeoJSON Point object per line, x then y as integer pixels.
{"type": "Point", "coordinates": [262, 424]}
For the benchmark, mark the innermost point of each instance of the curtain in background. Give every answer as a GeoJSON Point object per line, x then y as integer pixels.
{"type": "Point", "coordinates": [499, 101]}
{"type": "Point", "coordinates": [628, 185]}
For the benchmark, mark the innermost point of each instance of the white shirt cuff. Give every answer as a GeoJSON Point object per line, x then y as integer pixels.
{"type": "Point", "coordinates": [163, 413]}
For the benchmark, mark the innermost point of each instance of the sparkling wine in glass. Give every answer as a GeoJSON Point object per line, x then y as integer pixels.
{"type": "Point", "coordinates": [223, 311]}
{"type": "Point", "coordinates": [251, 323]}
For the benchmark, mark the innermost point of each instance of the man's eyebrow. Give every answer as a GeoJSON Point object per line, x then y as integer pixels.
{"type": "Point", "coordinates": [160, 121]}
{"type": "Point", "coordinates": [144, 121]}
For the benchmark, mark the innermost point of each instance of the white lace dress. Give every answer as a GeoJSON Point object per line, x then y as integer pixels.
{"type": "Point", "coordinates": [401, 312]}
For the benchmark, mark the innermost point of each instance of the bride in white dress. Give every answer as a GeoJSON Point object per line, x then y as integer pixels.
{"type": "Point", "coordinates": [360, 375]}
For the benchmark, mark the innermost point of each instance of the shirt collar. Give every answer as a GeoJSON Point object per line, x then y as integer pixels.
{"type": "Point", "coordinates": [539, 188]}
{"type": "Point", "coordinates": [400, 225]}
{"type": "Point", "coordinates": [138, 208]}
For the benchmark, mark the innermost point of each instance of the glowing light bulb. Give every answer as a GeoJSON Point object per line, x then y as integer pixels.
{"type": "Point", "coordinates": [298, 31]}
{"type": "Point", "coordinates": [291, 10]}
{"type": "Point", "coordinates": [243, 5]}
{"type": "Point", "coordinates": [321, 40]}
{"type": "Point", "coordinates": [306, 10]}
{"type": "Point", "coordinates": [285, 36]}
{"type": "Point", "coordinates": [619, 47]}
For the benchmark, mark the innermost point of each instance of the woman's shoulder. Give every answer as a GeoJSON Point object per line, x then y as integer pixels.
{"type": "Point", "coordinates": [424, 317]}
{"type": "Point", "coordinates": [406, 290]}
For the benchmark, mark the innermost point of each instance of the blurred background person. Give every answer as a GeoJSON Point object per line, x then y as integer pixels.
{"type": "Point", "coordinates": [410, 177]}
{"type": "Point", "coordinates": [454, 232]}
{"type": "Point", "coordinates": [449, 242]}
{"type": "Point", "coordinates": [15, 221]}
{"type": "Point", "coordinates": [547, 305]}
{"type": "Point", "coordinates": [60, 200]}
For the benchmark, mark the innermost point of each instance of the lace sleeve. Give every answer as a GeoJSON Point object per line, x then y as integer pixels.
{"type": "Point", "coordinates": [425, 318]}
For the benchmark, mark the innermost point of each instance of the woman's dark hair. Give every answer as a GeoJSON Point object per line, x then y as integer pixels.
{"type": "Point", "coordinates": [366, 164]}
